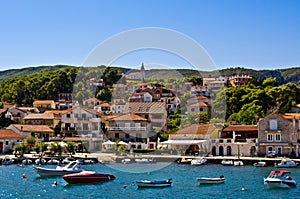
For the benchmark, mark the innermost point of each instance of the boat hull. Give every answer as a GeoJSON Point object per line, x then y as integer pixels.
{"type": "Point", "coordinates": [147, 183]}
{"type": "Point", "coordinates": [87, 177]}
{"type": "Point", "coordinates": [210, 180]}
{"type": "Point", "coordinates": [279, 184]}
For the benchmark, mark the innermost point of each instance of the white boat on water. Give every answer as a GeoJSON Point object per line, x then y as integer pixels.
{"type": "Point", "coordinates": [7, 161]}
{"type": "Point", "coordinates": [199, 161]}
{"type": "Point", "coordinates": [27, 162]}
{"type": "Point", "coordinates": [40, 161]}
{"type": "Point", "coordinates": [260, 164]}
{"type": "Point", "coordinates": [153, 183]}
{"type": "Point", "coordinates": [238, 163]}
{"type": "Point", "coordinates": [286, 163]}
{"type": "Point", "coordinates": [279, 179]}
{"type": "Point", "coordinates": [126, 161]}
{"type": "Point", "coordinates": [143, 160]}
{"type": "Point", "coordinates": [227, 162]}
{"type": "Point", "coordinates": [72, 167]}
{"type": "Point", "coordinates": [204, 180]}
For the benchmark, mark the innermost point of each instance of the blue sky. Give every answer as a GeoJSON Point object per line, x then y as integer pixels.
{"type": "Point", "coordinates": [258, 34]}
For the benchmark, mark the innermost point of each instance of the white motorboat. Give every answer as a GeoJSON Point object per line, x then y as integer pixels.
{"type": "Point", "coordinates": [199, 161]}
{"type": "Point", "coordinates": [126, 161]}
{"type": "Point", "coordinates": [27, 162]}
{"type": "Point", "coordinates": [53, 162]}
{"type": "Point", "coordinates": [227, 162]}
{"type": "Point", "coordinates": [279, 179]}
{"type": "Point", "coordinates": [143, 160]}
{"type": "Point", "coordinates": [7, 161]}
{"type": "Point", "coordinates": [72, 167]}
{"type": "Point", "coordinates": [40, 161]}
{"type": "Point", "coordinates": [204, 180]}
{"type": "Point", "coordinates": [238, 163]}
{"type": "Point", "coordinates": [260, 164]}
{"type": "Point", "coordinates": [286, 163]}
{"type": "Point", "coordinates": [154, 183]}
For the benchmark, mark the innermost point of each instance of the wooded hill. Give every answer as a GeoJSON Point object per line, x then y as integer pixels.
{"type": "Point", "coordinates": [282, 75]}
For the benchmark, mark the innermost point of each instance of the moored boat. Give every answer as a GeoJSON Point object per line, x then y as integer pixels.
{"type": "Point", "coordinates": [27, 162]}
{"type": "Point", "coordinates": [227, 162]}
{"type": "Point", "coordinates": [87, 177]}
{"type": "Point", "coordinates": [260, 164]}
{"type": "Point", "coordinates": [286, 163]}
{"type": "Point", "coordinates": [204, 180]}
{"type": "Point", "coordinates": [153, 183]}
{"type": "Point", "coordinates": [279, 179]}
{"type": "Point", "coordinates": [238, 163]}
{"type": "Point", "coordinates": [72, 167]}
{"type": "Point", "coordinates": [199, 161]}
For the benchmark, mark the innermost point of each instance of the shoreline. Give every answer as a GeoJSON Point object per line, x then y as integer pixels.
{"type": "Point", "coordinates": [105, 158]}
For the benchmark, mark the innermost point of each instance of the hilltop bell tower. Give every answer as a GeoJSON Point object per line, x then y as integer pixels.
{"type": "Point", "coordinates": [142, 71]}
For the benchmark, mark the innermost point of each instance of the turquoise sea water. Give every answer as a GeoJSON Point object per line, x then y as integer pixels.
{"type": "Point", "coordinates": [184, 185]}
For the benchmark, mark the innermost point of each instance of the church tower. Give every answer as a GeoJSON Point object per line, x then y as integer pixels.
{"type": "Point", "coordinates": [142, 71]}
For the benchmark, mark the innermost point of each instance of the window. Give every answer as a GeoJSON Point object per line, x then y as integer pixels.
{"type": "Point", "coordinates": [117, 135]}
{"type": "Point", "coordinates": [273, 124]}
{"type": "Point", "coordinates": [201, 109]}
{"type": "Point", "coordinates": [140, 109]}
{"type": "Point", "coordinates": [277, 137]}
{"type": "Point", "coordinates": [127, 135]}
{"type": "Point", "coordinates": [68, 115]}
{"type": "Point", "coordinates": [6, 143]}
{"type": "Point", "coordinates": [192, 109]}
{"type": "Point", "coordinates": [147, 109]}
{"type": "Point", "coordinates": [279, 150]}
{"type": "Point", "coordinates": [270, 137]}
{"type": "Point", "coordinates": [83, 116]}
{"type": "Point", "coordinates": [85, 126]}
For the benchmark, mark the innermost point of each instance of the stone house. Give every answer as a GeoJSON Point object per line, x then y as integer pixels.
{"type": "Point", "coordinates": [279, 133]}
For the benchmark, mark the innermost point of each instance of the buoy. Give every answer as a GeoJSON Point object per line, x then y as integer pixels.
{"type": "Point", "coordinates": [54, 183]}
{"type": "Point", "coordinates": [244, 189]}
{"type": "Point", "coordinates": [124, 186]}
{"type": "Point", "coordinates": [24, 176]}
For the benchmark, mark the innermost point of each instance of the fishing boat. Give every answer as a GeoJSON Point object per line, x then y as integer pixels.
{"type": "Point", "coordinates": [260, 164]}
{"type": "Point", "coordinates": [279, 179]}
{"type": "Point", "coordinates": [286, 163]}
{"type": "Point", "coordinates": [204, 180]}
{"type": "Point", "coordinates": [153, 183]}
{"type": "Point", "coordinates": [87, 177]}
{"type": "Point", "coordinates": [199, 161]}
{"type": "Point", "coordinates": [72, 167]}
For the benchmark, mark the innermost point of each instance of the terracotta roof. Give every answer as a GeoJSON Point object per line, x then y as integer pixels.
{"type": "Point", "coordinates": [290, 116]}
{"type": "Point", "coordinates": [57, 112]}
{"type": "Point", "coordinates": [241, 128]}
{"type": "Point", "coordinates": [33, 128]}
{"type": "Point", "coordinates": [146, 107]}
{"type": "Point", "coordinates": [202, 129]}
{"type": "Point", "coordinates": [129, 117]}
{"type": "Point", "coordinates": [104, 105]}
{"type": "Point", "coordinates": [9, 134]}
{"type": "Point", "coordinates": [45, 116]}
{"type": "Point", "coordinates": [201, 97]}
{"type": "Point", "coordinates": [200, 104]}
{"type": "Point", "coordinates": [39, 102]}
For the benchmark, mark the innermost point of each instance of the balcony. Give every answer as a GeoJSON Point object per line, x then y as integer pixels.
{"type": "Point", "coordinates": [141, 128]}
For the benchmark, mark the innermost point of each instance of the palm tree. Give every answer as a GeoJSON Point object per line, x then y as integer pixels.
{"type": "Point", "coordinates": [71, 147]}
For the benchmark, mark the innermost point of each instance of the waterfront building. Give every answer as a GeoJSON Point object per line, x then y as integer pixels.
{"type": "Point", "coordinates": [279, 133]}
{"type": "Point", "coordinates": [8, 139]}
{"type": "Point", "coordinates": [237, 140]}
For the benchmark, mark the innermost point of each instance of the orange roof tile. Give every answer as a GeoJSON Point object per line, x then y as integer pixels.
{"type": "Point", "coordinates": [200, 104]}
{"type": "Point", "coordinates": [33, 128]}
{"type": "Point", "coordinates": [196, 129]}
{"type": "Point", "coordinates": [9, 134]}
{"type": "Point", "coordinates": [129, 117]}
{"type": "Point", "coordinates": [241, 128]}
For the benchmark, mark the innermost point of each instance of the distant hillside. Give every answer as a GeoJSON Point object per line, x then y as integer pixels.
{"type": "Point", "coordinates": [28, 71]}
{"type": "Point", "coordinates": [282, 75]}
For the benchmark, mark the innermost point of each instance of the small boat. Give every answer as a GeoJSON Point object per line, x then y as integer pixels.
{"type": "Point", "coordinates": [87, 177]}
{"type": "Point", "coordinates": [227, 162]}
{"type": "Point", "coordinates": [238, 163]}
{"type": "Point", "coordinates": [153, 183]}
{"type": "Point", "coordinates": [203, 180]}
{"type": "Point", "coordinates": [279, 179]}
{"type": "Point", "coordinates": [27, 162]}
{"type": "Point", "coordinates": [40, 161]}
{"type": "Point", "coordinates": [126, 161]}
{"type": "Point", "coordinates": [198, 161]}
{"type": "Point", "coordinates": [260, 164]}
{"type": "Point", "coordinates": [72, 167]}
{"type": "Point", "coordinates": [143, 160]}
{"type": "Point", "coordinates": [7, 161]}
{"type": "Point", "coordinates": [53, 162]}
{"type": "Point", "coordinates": [286, 163]}
{"type": "Point", "coordinates": [184, 161]}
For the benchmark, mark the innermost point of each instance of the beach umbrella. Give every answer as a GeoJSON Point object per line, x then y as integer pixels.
{"type": "Point", "coordinates": [122, 143]}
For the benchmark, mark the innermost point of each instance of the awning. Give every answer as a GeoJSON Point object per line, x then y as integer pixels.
{"type": "Point", "coordinates": [183, 142]}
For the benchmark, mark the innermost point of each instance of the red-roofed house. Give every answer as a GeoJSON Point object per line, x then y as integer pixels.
{"type": "Point", "coordinates": [8, 139]}
{"type": "Point", "coordinates": [279, 133]}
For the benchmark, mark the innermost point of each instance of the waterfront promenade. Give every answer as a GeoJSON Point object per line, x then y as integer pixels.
{"type": "Point", "coordinates": [113, 158]}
